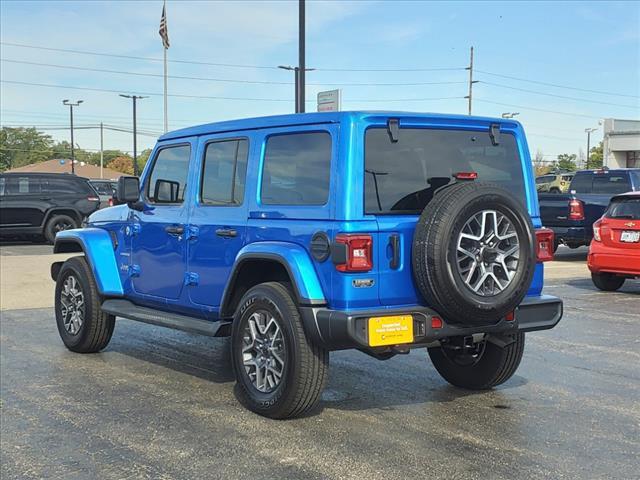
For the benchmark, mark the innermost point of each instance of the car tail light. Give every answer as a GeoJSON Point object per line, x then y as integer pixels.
{"type": "Point", "coordinates": [436, 322]}
{"type": "Point", "coordinates": [544, 244]}
{"type": "Point", "coordinates": [111, 202]}
{"type": "Point", "coordinates": [596, 230]}
{"type": "Point", "coordinates": [354, 253]}
{"type": "Point", "coordinates": [576, 210]}
{"type": "Point", "coordinates": [511, 316]}
{"type": "Point", "coordinates": [466, 175]}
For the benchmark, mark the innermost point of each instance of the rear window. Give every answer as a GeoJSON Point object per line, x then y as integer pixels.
{"type": "Point", "coordinates": [611, 183]}
{"type": "Point", "coordinates": [402, 177]}
{"type": "Point", "coordinates": [296, 169]}
{"type": "Point", "coordinates": [626, 208]}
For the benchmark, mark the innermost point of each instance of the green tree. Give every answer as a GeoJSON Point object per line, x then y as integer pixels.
{"type": "Point", "coordinates": [596, 156]}
{"type": "Point", "coordinates": [567, 161]}
{"type": "Point", "coordinates": [143, 158]}
{"type": "Point", "coordinates": [23, 146]}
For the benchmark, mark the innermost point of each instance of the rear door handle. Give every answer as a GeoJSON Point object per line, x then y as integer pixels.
{"type": "Point", "coordinates": [394, 241]}
{"type": "Point", "coordinates": [226, 232]}
{"type": "Point", "coordinates": [174, 229]}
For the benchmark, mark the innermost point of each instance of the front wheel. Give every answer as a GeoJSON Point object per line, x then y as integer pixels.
{"type": "Point", "coordinates": [58, 223]}
{"type": "Point", "coordinates": [607, 282]}
{"type": "Point", "coordinates": [484, 366]}
{"type": "Point", "coordinates": [279, 372]}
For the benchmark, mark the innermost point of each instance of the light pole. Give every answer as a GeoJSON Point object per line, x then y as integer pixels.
{"type": "Point", "coordinates": [71, 105]}
{"type": "Point", "coordinates": [135, 136]}
{"type": "Point", "coordinates": [588, 132]}
{"type": "Point", "coordinates": [301, 56]}
{"type": "Point", "coordinates": [299, 104]}
{"type": "Point", "coordinates": [510, 114]}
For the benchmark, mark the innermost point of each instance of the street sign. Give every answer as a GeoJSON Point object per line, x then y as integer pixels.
{"type": "Point", "coordinates": [330, 101]}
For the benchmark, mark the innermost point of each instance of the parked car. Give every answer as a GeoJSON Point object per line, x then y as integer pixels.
{"type": "Point", "coordinates": [554, 183]}
{"type": "Point", "coordinates": [44, 203]}
{"type": "Point", "coordinates": [571, 216]}
{"type": "Point", "coordinates": [106, 190]}
{"type": "Point", "coordinates": [614, 253]}
{"type": "Point", "coordinates": [302, 234]}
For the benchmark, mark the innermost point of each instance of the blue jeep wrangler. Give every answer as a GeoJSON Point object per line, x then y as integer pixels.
{"type": "Point", "coordinates": [301, 234]}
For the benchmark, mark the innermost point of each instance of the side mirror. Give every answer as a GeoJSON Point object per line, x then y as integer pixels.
{"type": "Point", "coordinates": [166, 191]}
{"type": "Point", "coordinates": [128, 190]}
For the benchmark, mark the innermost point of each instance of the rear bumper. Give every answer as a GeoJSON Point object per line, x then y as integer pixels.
{"type": "Point", "coordinates": [623, 264]}
{"type": "Point", "coordinates": [338, 330]}
{"type": "Point", "coordinates": [574, 235]}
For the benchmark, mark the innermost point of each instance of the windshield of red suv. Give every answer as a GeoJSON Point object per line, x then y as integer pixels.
{"type": "Point", "coordinates": [402, 176]}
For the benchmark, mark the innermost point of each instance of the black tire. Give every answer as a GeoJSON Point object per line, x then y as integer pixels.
{"type": "Point", "coordinates": [607, 282]}
{"type": "Point", "coordinates": [435, 266]}
{"type": "Point", "coordinates": [495, 365]}
{"type": "Point", "coordinates": [56, 224]}
{"type": "Point", "coordinates": [306, 365]}
{"type": "Point", "coordinates": [97, 327]}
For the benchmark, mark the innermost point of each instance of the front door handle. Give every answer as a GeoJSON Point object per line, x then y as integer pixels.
{"type": "Point", "coordinates": [174, 229]}
{"type": "Point", "coordinates": [226, 232]}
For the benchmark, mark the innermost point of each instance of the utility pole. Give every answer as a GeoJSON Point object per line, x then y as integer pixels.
{"type": "Point", "coordinates": [471, 80]}
{"type": "Point", "coordinates": [296, 71]}
{"type": "Point", "coordinates": [301, 51]}
{"type": "Point", "coordinates": [135, 135]}
{"type": "Point", "coordinates": [71, 105]}
{"type": "Point", "coordinates": [101, 151]}
{"type": "Point", "coordinates": [588, 132]}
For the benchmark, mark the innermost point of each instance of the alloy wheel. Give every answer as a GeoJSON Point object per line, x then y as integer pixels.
{"type": "Point", "coordinates": [72, 305]}
{"type": "Point", "coordinates": [263, 351]}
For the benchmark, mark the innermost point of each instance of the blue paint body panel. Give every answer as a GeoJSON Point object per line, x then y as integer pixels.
{"type": "Point", "coordinates": [190, 274]}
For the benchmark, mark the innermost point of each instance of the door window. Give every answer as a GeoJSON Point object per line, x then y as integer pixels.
{"type": "Point", "coordinates": [223, 172]}
{"type": "Point", "coordinates": [296, 169]}
{"type": "Point", "coordinates": [168, 179]}
{"type": "Point", "coordinates": [22, 185]}
{"type": "Point", "coordinates": [611, 184]}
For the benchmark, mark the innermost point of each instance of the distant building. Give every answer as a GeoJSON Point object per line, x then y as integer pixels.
{"type": "Point", "coordinates": [621, 143]}
{"type": "Point", "coordinates": [64, 166]}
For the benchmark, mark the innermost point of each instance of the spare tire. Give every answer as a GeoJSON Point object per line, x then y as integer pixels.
{"type": "Point", "coordinates": [473, 253]}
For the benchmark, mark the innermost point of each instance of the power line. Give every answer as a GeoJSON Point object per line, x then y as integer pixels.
{"type": "Point", "coordinates": [59, 126]}
{"type": "Point", "coordinates": [222, 98]}
{"type": "Point", "coordinates": [556, 85]}
{"type": "Point", "coordinates": [537, 109]}
{"type": "Point", "coordinates": [558, 96]}
{"type": "Point", "coordinates": [228, 80]}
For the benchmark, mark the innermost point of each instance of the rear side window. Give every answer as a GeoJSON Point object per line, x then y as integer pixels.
{"type": "Point", "coordinates": [168, 178]}
{"type": "Point", "coordinates": [624, 208]}
{"type": "Point", "coordinates": [403, 176]}
{"type": "Point", "coordinates": [611, 183]}
{"type": "Point", "coordinates": [103, 188]}
{"type": "Point", "coordinates": [15, 185]}
{"type": "Point", "coordinates": [296, 169]}
{"type": "Point", "coordinates": [68, 186]}
{"type": "Point", "coordinates": [224, 172]}
{"type": "Point", "coordinates": [581, 183]}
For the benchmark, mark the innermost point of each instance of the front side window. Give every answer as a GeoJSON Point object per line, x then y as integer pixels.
{"type": "Point", "coordinates": [224, 172]}
{"type": "Point", "coordinates": [168, 179]}
{"type": "Point", "coordinates": [403, 176]}
{"type": "Point", "coordinates": [296, 169]}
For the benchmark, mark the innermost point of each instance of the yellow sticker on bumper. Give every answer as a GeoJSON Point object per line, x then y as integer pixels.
{"type": "Point", "coordinates": [390, 330]}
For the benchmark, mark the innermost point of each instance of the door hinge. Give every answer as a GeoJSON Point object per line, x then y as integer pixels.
{"type": "Point", "coordinates": [131, 230]}
{"type": "Point", "coordinates": [191, 278]}
{"type": "Point", "coordinates": [134, 270]}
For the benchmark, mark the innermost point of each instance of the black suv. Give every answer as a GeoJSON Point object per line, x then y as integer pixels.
{"type": "Point", "coordinates": [44, 203]}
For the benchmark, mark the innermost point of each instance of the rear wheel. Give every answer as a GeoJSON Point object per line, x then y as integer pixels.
{"type": "Point", "coordinates": [82, 325]}
{"type": "Point", "coordinates": [280, 373]}
{"type": "Point", "coordinates": [607, 282]}
{"type": "Point", "coordinates": [481, 367]}
{"type": "Point", "coordinates": [58, 223]}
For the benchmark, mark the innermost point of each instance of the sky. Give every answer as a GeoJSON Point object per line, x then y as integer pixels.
{"type": "Point", "coordinates": [562, 65]}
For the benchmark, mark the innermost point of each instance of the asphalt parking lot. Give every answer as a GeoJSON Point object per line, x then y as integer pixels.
{"type": "Point", "coordinates": [161, 404]}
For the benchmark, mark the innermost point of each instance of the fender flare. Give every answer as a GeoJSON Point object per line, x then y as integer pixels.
{"type": "Point", "coordinates": [296, 261]}
{"type": "Point", "coordinates": [98, 249]}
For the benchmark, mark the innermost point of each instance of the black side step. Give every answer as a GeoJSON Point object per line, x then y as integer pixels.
{"type": "Point", "coordinates": [126, 309]}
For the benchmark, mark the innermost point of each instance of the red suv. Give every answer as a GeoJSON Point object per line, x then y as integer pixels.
{"type": "Point", "coordinates": [614, 253]}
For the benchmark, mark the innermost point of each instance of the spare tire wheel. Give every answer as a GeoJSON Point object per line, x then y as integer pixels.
{"type": "Point", "coordinates": [473, 253]}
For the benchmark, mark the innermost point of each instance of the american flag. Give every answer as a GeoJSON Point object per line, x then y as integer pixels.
{"type": "Point", "coordinates": [164, 33]}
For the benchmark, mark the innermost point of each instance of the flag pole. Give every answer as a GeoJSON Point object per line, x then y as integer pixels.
{"type": "Point", "coordinates": [166, 116]}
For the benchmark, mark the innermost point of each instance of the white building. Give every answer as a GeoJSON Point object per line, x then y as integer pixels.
{"type": "Point", "coordinates": [621, 143]}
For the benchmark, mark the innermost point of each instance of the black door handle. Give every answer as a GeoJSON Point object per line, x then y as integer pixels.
{"type": "Point", "coordinates": [394, 241]}
{"type": "Point", "coordinates": [226, 232]}
{"type": "Point", "coordinates": [174, 229]}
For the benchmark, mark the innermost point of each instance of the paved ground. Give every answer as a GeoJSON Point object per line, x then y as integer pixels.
{"type": "Point", "coordinates": [160, 404]}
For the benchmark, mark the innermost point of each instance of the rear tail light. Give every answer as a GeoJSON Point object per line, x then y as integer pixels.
{"type": "Point", "coordinates": [596, 231]}
{"type": "Point", "coordinates": [544, 244]}
{"type": "Point", "coordinates": [511, 316]}
{"type": "Point", "coordinates": [111, 202]}
{"type": "Point", "coordinates": [353, 253]}
{"type": "Point", "coordinates": [466, 175]}
{"type": "Point", "coordinates": [576, 210]}
{"type": "Point", "coordinates": [436, 322]}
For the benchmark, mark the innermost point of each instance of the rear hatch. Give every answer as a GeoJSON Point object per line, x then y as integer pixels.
{"type": "Point", "coordinates": [402, 177]}
{"type": "Point", "coordinates": [621, 226]}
